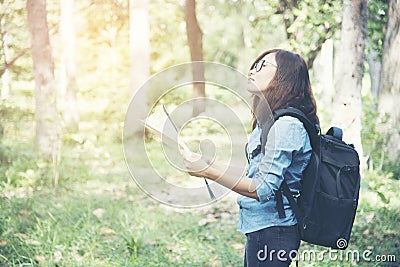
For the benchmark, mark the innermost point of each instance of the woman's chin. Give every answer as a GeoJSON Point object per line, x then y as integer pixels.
{"type": "Point", "coordinates": [253, 90]}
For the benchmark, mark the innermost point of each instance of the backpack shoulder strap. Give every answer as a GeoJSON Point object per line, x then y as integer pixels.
{"type": "Point", "coordinates": [292, 202]}
{"type": "Point", "coordinates": [311, 129]}
{"type": "Point", "coordinates": [284, 189]}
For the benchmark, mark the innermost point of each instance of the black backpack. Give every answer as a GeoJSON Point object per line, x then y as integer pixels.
{"type": "Point", "coordinates": [326, 207]}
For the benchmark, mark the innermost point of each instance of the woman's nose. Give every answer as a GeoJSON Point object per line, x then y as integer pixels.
{"type": "Point", "coordinates": [251, 72]}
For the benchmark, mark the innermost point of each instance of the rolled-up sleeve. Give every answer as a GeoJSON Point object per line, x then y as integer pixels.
{"type": "Point", "coordinates": [285, 137]}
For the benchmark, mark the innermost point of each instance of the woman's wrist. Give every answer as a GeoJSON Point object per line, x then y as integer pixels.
{"type": "Point", "coordinates": [211, 172]}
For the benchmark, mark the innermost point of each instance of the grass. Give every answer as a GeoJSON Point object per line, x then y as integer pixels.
{"type": "Point", "coordinates": [97, 216]}
{"type": "Point", "coordinates": [103, 224]}
{"type": "Point", "coordinates": [105, 220]}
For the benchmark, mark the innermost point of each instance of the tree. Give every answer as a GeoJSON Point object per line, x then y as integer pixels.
{"type": "Point", "coordinates": [390, 78]}
{"type": "Point", "coordinates": [323, 77]}
{"type": "Point", "coordinates": [195, 42]}
{"type": "Point", "coordinates": [13, 43]}
{"type": "Point", "coordinates": [349, 71]}
{"type": "Point", "coordinates": [68, 66]}
{"type": "Point", "coordinates": [46, 138]}
{"type": "Point", "coordinates": [377, 22]}
{"type": "Point", "coordinates": [139, 43]}
{"type": "Point", "coordinates": [140, 53]}
{"type": "Point", "coordinates": [5, 77]}
{"type": "Point", "coordinates": [233, 46]}
{"type": "Point", "coordinates": [309, 24]}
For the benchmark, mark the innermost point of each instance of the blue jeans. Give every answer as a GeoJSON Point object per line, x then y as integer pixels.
{"type": "Point", "coordinates": [273, 246]}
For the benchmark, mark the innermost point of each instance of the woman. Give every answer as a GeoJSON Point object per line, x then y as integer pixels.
{"type": "Point", "coordinates": [276, 150]}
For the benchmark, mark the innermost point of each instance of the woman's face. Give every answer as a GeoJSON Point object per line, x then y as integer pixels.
{"type": "Point", "coordinates": [261, 75]}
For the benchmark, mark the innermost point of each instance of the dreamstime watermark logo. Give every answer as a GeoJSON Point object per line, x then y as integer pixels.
{"type": "Point", "coordinates": [353, 256]}
{"type": "Point", "coordinates": [341, 243]}
{"type": "Point", "coordinates": [158, 169]}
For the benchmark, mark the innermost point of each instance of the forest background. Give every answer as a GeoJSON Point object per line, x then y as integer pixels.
{"type": "Point", "coordinates": [69, 68]}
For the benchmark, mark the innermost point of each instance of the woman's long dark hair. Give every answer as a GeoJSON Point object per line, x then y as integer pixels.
{"type": "Point", "coordinates": [290, 87]}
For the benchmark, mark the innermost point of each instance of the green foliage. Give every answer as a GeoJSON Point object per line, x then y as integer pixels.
{"type": "Point", "coordinates": [381, 184]}
{"type": "Point", "coordinates": [392, 167]}
{"type": "Point", "coordinates": [373, 229]}
{"type": "Point", "coordinates": [15, 120]}
{"type": "Point", "coordinates": [308, 23]}
{"type": "Point", "coordinates": [377, 21]}
{"type": "Point", "coordinates": [168, 34]}
{"type": "Point", "coordinates": [375, 141]}
{"type": "Point", "coordinates": [19, 169]}
{"type": "Point", "coordinates": [133, 245]}
{"type": "Point", "coordinates": [237, 31]}
{"type": "Point", "coordinates": [109, 222]}
{"type": "Point", "coordinates": [17, 164]}
{"type": "Point", "coordinates": [109, 228]}
{"type": "Point", "coordinates": [313, 23]}
{"type": "Point", "coordinates": [13, 19]}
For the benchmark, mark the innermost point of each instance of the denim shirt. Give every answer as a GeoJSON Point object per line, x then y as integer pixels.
{"type": "Point", "coordinates": [287, 153]}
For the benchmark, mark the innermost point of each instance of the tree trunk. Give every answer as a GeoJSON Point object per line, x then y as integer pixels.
{"type": "Point", "coordinates": [195, 42]}
{"type": "Point", "coordinates": [323, 76]}
{"type": "Point", "coordinates": [349, 72]}
{"type": "Point", "coordinates": [286, 6]}
{"type": "Point", "coordinates": [140, 56]}
{"type": "Point", "coordinates": [5, 78]}
{"type": "Point", "coordinates": [375, 66]}
{"type": "Point", "coordinates": [46, 138]}
{"type": "Point", "coordinates": [68, 66]}
{"type": "Point", "coordinates": [242, 60]}
{"type": "Point", "coordinates": [390, 78]}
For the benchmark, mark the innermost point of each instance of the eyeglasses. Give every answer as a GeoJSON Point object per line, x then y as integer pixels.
{"type": "Point", "coordinates": [260, 64]}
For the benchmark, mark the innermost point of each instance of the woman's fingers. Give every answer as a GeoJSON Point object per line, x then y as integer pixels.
{"type": "Point", "coordinates": [196, 165]}
{"type": "Point", "coordinates": [192, 157]}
